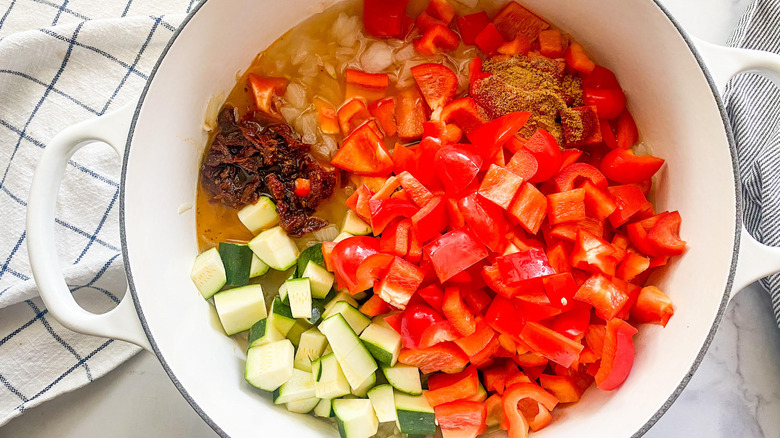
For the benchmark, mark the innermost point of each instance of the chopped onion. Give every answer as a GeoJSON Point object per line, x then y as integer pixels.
{"type": "Point", "coordinates": [295, 95]}
{"type": "Point", "coordinates": [405, 53]}
{"type": "Point", "coordinates": [346, 29]}
{"type": "Point", "coordinates": [290, 113]}
{"type": "Point", "coordinates": [377, 57]}
{"type": "Point", "coordinates": [326, 234]}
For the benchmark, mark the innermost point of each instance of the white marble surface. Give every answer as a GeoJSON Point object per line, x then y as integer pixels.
{"type": "Point", "coordinates": [735, 393]}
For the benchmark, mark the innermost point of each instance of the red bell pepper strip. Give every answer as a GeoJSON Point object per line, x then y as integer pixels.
{"type": "Point", "coordinates": [395, 238]}
{"type": "Point", "coordinates": [463, 388]}
{"type": "Point", "coordinates": [403, 158]}
{"type": "Point", "coordinates": [551, 344]}
{"type": "Point", "coordinates": [607, 135]}
{"type": "Point", "coordinates": [371, 270]}
{"type": "Point", "coordinates": [664, 237]}
{"type": "Point", "coordinates": [386, 191]}
{"type": "Point", "coordinates": [384, 18]}
{"type": "Point", "coordinates": [384, 112]}
{"type": "Point", "coordinates": [430, 221]}
{"type": "Point", "coordinates": [491, 137]}
{"type": "Point", "coordinates": [598, 203]}
{"type": "Point", "coordinates": [371, 86]}
{"type": "Point", "coordinates": [601, 293]}
{"type": "Point", "coordinates": [436, 82]}
{"type": "Point", "coordinates": [617, 357]}
{"type": "Point", "coordinates": [433, 295]}
{"type": "Point", "coordinates": [594, 338]}
{"type": "Point", "coordinates": [363, 153]}
{"type": "Point", "coordinates": [476, 298]}
{"type": "Point", "coordinates": [523, 266]}
{"type": "Point", "coordinates": [523, 164]}
{"type": "Point", "coordinates": [471, 25]}
{"type": "Point", "coordinates": [352, 114]}
{"type": "Point", "coordinates": [409, 114]}
{"type": "Point", "coordinates": [419, 194]}
{"type": "Point", "coordinates": [457, 313]}
{"type": "Point", "coordinates": [384, 211]}
{"type": "Point", "coordinates": [486, 221]}
{"type": "Point", "coordinates": [543, 146]}
{"type": "Point", "coordinates": [521, 45]}
{"type": "Point", "coordinates": [573, 176]}
{"type": "Point", "coordinates": [631, 266]}
{"type": "Point", "coordinates": [566, 206]}
{"type": "Point", "coordinates": [573, 323]}
{"type": "Point", "coordinates": [464, 112]}
{"type": "Point", "coordinates": [347, 256]}
{"type": "Point", "coordinates": [415, 254]}
{"type": "Point", "coordinates": [594, 254]}
{"type": "Point", "coordinates": [461, 419]}
{"type": "Point", "coordinates": [621, 165]}
{"type": "Point", "coordinates": [413, 322]}
{"type": "Point", "coordinates": [327, 250]}
{"type": "Point", "coordinates": [514, 19]}
{"type": "Point", "coordinates": [578, 59]}
{"type": "Point", "coordinates": [558, 257]}
{"type": "Point", "coordinates": [457, 167]}
{"type": "Point", "coordinates": [438, 332]}
{"type": "Point", "coordinates": [609, 103]}
{"type": "Point", "coordinates": [528, 208]}
{"type": "Point", "coordinates": [627, 133]}
{"type": "Point", "coordinates": [454, 252]}
{"type": "Point", "coordinates": [400, 283]}
{"type": "Point", "coordinates": [500, 186]}
{"type": "Point", "coordinates": [425, 21]}
{"type": "Point", "coordinates": [518, 426]}
{"type": "Point", "coordinates": [265, 90]}
{"type": "Point", "coordinates": [489, 40]}
{"type": "Point", "coordinates": [374, 306]}
{"type": "Point", "coordinates": [438, 38]}
{"type": "Point", "coordinates": [424, 162]}
{"type": "Point", "coordinates": [529, 290]}
{"type": "Point", "coordinates": [445, 357]}
{"type": "Point", "coordinates": [562, 387]}
{"type": "Point", "coordinates": [632, 290]}
{"type": "Point", "coordinates": [326, 117]}
{"type": "Point", "coordinates": [474, 343]}
{"type": "Point", "coordinates": [550, 43]}
{"type": "Point", "coordinates": [629, 200]}
{"type": "Point", "coordinates": [501, 369]}
{"type": "Point", "coordinates": [652, 306]}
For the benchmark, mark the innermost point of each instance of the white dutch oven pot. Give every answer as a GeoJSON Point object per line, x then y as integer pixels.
{"type": "Point", "coordinates": [673, 96]}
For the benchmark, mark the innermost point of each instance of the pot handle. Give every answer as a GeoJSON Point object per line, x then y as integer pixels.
{"type": "Point", "coordinates": [121, 322]}
{"type": "Point", "coordinates": [756, 260]}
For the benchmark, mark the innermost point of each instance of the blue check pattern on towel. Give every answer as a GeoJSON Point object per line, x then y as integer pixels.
{"type": "Point", "coordinates": [61, 62]}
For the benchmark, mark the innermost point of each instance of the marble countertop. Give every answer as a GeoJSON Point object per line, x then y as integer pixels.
{"type": "Point", "coordinates": [735, 392]}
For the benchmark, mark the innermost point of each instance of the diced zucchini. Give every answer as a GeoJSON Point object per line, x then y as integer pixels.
{"type": "Point", "coordinates": [384, 403]}
{"type": "Point", "coordinates": [356, 362]}
{"type": "Point", "coordinates": [260, 215]}
{"type": "Point", "coordinates": [328, 350]}
{"type": "Point", "coordinates": [342, 236]}
{"type": "Point", "coordinates": [383, 343]}
{"type": "Point", "coordinates": [300, 386]}
{"type": "Point", "coordinates": [303, 406]}
{"type": "Point", "coordinates": [355, 417]}
{"type": "Point", "coordinates": [263, 333]}
{"type": "Point", "coordinates": [257, 267]}
{"type": "Point", "coordinates": [317, 310]}
{"type": "Point", "coordinates": [269, 366]}
{"type": "Point", "coordinates": [324, 408]}
{"type": "Point", "coordinates": [208, 273]}
{"type": "Point", "coordinates": [363, 388]}
{"type": "Point", "coordinates": [310, 254]}
{"type": "Point", "coordinates": [237, 260]}
{"type": "Point", "coordinates": [310, 347]}
{"type": "Point", "coordinates": [354, 225]}
{"type": "Point", "coordinates": [281, 316]}
{"type": "Point", "coordinates": [358, 366]}
{"type": "Point", "coordinates": [380, 320]}
{"type": "Point", "coordinates": [329, 379]}
{"type": "Point", "coordinates": [300, 326]}
{"type": "Point", "coordinates": [415, 415]}
{"type": "Point", "coordinates": [404, 378]}
{"type": "Point", "coordinates": [275, 248]}
{"type": "Point", "coordinates": [299, 294]}
{"type": "Point", "coordinates": [341, 296]}
{"type": "Point", "coordinates": [321, 280]}
{"type": "Point", "coordinates": [240, 308]}
{"type": "Point", "coordinates": [356, 320]}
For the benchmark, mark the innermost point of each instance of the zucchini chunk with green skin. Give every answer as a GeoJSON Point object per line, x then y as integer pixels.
{"type": "Point", "coordinates": [295, 333]}
{"type": "Point", "coordinates": [342, 236]}
{"type": "Point", "coordinates": [354, 225]}
{"type": "Point", "coordinates": [340, 297]}
{"type": "Point", "coordinates": [415, 415]}
{"type": "Point", "coordinates": [263, 332]}
{"type": "Point", "coordinates": [257, 267]}
{"type": "Point", "coordinates": [269, 366]}
{"type": "Point", "coordinates": [383, 343]}
{"type": "Point", "coordinates": [260, 215]}
{"type": "Point", "coordinates": [404, 378]}
{"type": "Point", "coordinates": [363, 388]}
{"type": "Point", "coordinates": [275, 248]}
{"type": "Point", "coordinates": [300, 386]}
{"type": "Point", "coordinates": [324, 408]}
{"type": "Point", "coordinates": [240, 308]}
{"type": "Point", "coordinates": [355, 417]}
{"type": "Point", "coordinates": [281, 317]}
{"type": "Point", "coordinates": [237, 260]}
{"type": "Point", "coordinates": [383, 401]}
{"type": "Point", "coordinates": [303, 406]}
{"type": "Point", "coordinates": [310, 347]}
{"type": "Point", "coordinates": [299, 295]}
{"type": "Point", "coordinates": [329, 379]}
{"type": "Point", "coordinates": [310, 254]}
{"type": "Point", "coordinates": [208, 273]}
{"type": "Point", "coordinates": [320, 279]}
{"type": "Point", "coordinates": [356, 320]}
{"type": "Point", "coordinates": [355, 360]}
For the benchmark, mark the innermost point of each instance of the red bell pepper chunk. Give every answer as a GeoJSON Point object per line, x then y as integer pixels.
{"type": "Point", "coordinates": [385, 211]}
{"type": "Point", "coordinates": [594, 338]}
{"type": "Point", "coordinates": [573, 323]}
{"type": "Point", "coordinates": [463, 388]}
{"type": "Point", "coordinates": [389, 186]}
{"type": "Point", "coordinates": [569, 157]}
{"type": "Point", "coordinates": [438, 38]}
{"type": "Point", "coordinates": [352, 114]}
{"type": "Point", "coordinates": [558, 257]}
{"type": "Point", "coordinates": [621, 165]}
{"type": "Point", "coordinates": [491, 137]}
{"type": "Point", "coordinates": [578, 59]}
{"type": "Point", "coordinates": [384, 112]}
{"type": "Point", "coordinates": [528, 208]}
{"type": "Point", "coordinates": [500, 186]}
{"type": "Point", "coordinates": [371, 86]}
{"type": "Point", "coordinates": [601, 293]}
{"type": "Point", "coordinates": [471, 25]}
{"type": "Point", "coordinates": [517, 423]}
{"type": "Point", "coordinates": [419, 194]}
{"type": "Point", "coordinates": [607, 135]}
{"type": "Point", "coordinates": [445, 357]}
{"type": "Point", "coordinates": [568, 230]}
{"type": "Point", "coordinates": [489, 40]}
{"type": "Point", "coordinates": [461, 419]}
{"type": "Point", "coordinates": [601, 78]}
{"type": "Point", "coordinates": [384, 18]}
{"type": "Point", "coordinates": [436, 82]}
{"type": "Point", "coordinates": [609, 103]}
{"type": "Point", "coordinates": [447, 134]}
{"type": "Point", "coordinates": [551, 344]}
{"type": "Point", "coordinates": [430, 221]}
{"type": "Point", "coordinates": [464, 112]}
{"type": "Point", "coordinates": [375, 306]}
{"type": "Point", "coordinates": [574, 175]}
{"type": "Point", "coordinates": [581, 126]}
{"type": "Point", "coordinates": [476, 75]}
{"type": "Point", "coordinates": [486, 221]}
{"type": "Point", "coordinates": [425, 21]}
{"type": "Point", "coordinates": [476, 342]}
{"type": "Point", "coordinates": [438, 332]}
{"type": "Point", "coordinates": [528, 290]}
{"type": "Point", "coordinates": [395, 238]}
{"type": "Point", "coordinates": [508, 316]}
{"type": "Point", "coordinates": [629, 200]}
{"type": "Point", "coordinates": [302, 187]}
{"type": "Point", "coordinates": [598, 203]}
{"type": "Point", "coordinates": [363, 153]}
{"type": "Point", "coordinates": [413, 322]}
{"type": "Point", "coordinates": [562, 387]}
{"type": "Point", "coordinates": [524, 265]}
{"type": "Point", "coordinates": [403, 158]}
{"type": "Point", "coordinates": [566, 206]}
{"type": "Point", "coordinates": [501, 369]}
{"type": "Point", "coordinates": [424, 163]}
{"type": "Point", "coordinates": [409, 114]}
{"type": "Point", "coordinates": [543, 146]}
{"type": "Point", "coordinates": [457, 313]}
{"type": "Point", "coordinates": [523, 164]}
{"type": "Point", "coordinates": [632, 290]}
{"type": "Point", "coordinates": [416, 252]}
{"type": "Point", "coordinates": [433, 295]}
{"type": "Point", "coordinates": [514, 19]}
{"type": "Point", "coordinates": [664, 237]}
{"type": "Point", "coordinates": [476, 298]}
{"type": "Point", "coordinates": [594, 254]}
{"type": "Point", "coordinates": [265, 90]}
{"type": "Point", "coordinates": [457, 167]}
{"type": "Point", "coordinates": [627, 133]}
{"type": "Point", "coordinates": [326, 117]}
{"type": "Point", "coordinates": [400, 283]}
{"type": "Point", "coordinates": [327, 250]}
{"type": "Point", "coordinates": [652, 306]}
{"type": "Point", "coordinates": [560, 289]}
{"type": "Point", "coordinates": [631, 266]}
{"type": "Point", "coordinates": [441, 10]}
{"type": "Point", "coordinates": [370, 271]}
{"type": "Point", "coordinates": [617, 357]}
{"type": "Point", "coordinates": [454, 252]}
{"type": "Point", "coordinates": [551, 43]}
{"type": "Point", "coordinates": [637, 233]}
{"type": "Point", "coordinates": [521, 45]}
{"type": "Point", "coordinates": [347, 256]}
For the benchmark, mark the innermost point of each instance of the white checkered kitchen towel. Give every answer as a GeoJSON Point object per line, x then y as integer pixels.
{"type": "Point", "coordinates": [63, 61]}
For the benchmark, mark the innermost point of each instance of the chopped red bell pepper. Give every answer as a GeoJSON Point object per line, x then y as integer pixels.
{"type": "Point", "coordinates": [573, 176]}
{"type": "Point", "coordinates": [437, 83]}
{"type": "Point", "coordinates": [489, 40]}
{"type": "Point", "coordinates": [664, 237]}
{"type": "Point", "coordinates": [265, 90]}
{"type": "Point", "coordinates": [601, 293]}
{"type": "Point", "coordinates": [594, 338]}
{"type": "Point", "coordinates": [387, 189]}
{"type": "Point", "coordinates": [441, 10]}
{"type": "Point", "coordinates": [476, 342]}
{"type": "Point", "coordinates": [594, 254]}
{"type": "Point", "coordinates": [578, 59]}
{"type": "Point", "coordinates": [543, 146]}
{"type": "Point", "coordinates": [527, 291]}
{"type": "Point", "coordinates": [566, 206]}
{"type": "Point", "coordinates": [399, 283]}
{"type": "Point", "coordinates": [528, 208]}
{"type": "Point", "coordinates": [348, 255]}
{"type": "Point", "coordinates": [573, 323]}
{"type": "Point", "coordinates": [476, 298]}
{"type": "Point", "coordinates": [384, 211]}
{"type": "Point", "coordinates": [558, 257]}
{"type": "Point", "coordinates": [609, 103]}
{"type": "Point", "coordinates": [371, 86]}
{"type": "Point", "coordinates": [607, 135]}
{"type": "Point", "coordinates": [409, 114]}
{"type": "Point", "coordinates": [517, 423]}
{"type": "Point", "coordinates": [521, 45]}
{"type": "Point", "coordinates": [413, 322]}
{"type": "Point", "coordinates": [433, 295]}
{"type": "Point", "coordinates": [457, 167]}
{"type": "Point", "coordinates": [629, 200]}
{"type": "Point", "coordinates": [491, 136]}
{"type": "Point", "coordinates": [598, 203]}
{"type": "Point", "coordinates": [352, 114]}
{"type": "Point", "coordinates": [523, 164]}
{"type": "Point", "coordinates": [438, 332]}
{"type": "Point", "coordinates": [652, 306]}
{"type": "Point", "coordinates": [461, 419]}
{"type": "Point", "coordinates": [425, 21]}
{"type": "Point", "coordinates": [438, 38]}
{"type": "Point", "coordinates": [621, 165]}
{"type": "Point", "coordinates": [500, 186]}
{"type": "Point", "coordinates": [627, 133]}
{"type": "Point", "coordinates": [514, 19]}
{"type": "Point", "coordinates": [562, 387]}
{"type": "Point", "coordinates": [457, 313]}
{"type": "Point", "coordinates": [375, 306]}
{"type": "Point", "coordinates": [403, 158]}
{"type": "Point", "coordinates": [384, 112]}
{"type": "Point", "coordinates": [384, 18]}
{"type": "Point", "coordinates": [327, 250]}
{"type": "Point", "coordinates": [601, 78]}
{"type": "Point", "coordinates": [631, 266]}
{"type": "Point", "coordinates": [302, 187]}
{"type": "Point", "coordinates": [424, 163]}
{"type": "Point", "coordinates": [454, 252]}
{"type": "Point", "coordinates": [326, 117]}
{"type": "Point", "coordinates": [551, 344]}
{"type": "Point", "coordinates": [551, 43]}
{"type": "Point", "coordinates": [418, 193]}
{"type": "Point", "coordinates": [464, 112]}
{"type": "Point", "coordinates": [568, 230]}
{"type": "Point", "coordinates": [431, 220]}
{"type": "Point", "coordinates": [581, 126]}
{"type": "Point", "coordinates": [395, 238]}
{"type": "Point", "coordinates": [445, 356]}
{"type": "Point", "coordinates": [617, 357]}
{"type": "Point", "coordinates": [471, 25]}
{"type": "Point", "coordinates": [464, 387]}
{"type": "Point", "coordinates": [486, 221]}
{"type": "Point", "coordinates": [523, 266]}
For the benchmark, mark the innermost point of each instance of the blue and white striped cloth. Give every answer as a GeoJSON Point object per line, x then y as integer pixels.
{"type": "Point", "coordinates": [61, 62]}
{"type": "Point", "coordinates": [753, 104]}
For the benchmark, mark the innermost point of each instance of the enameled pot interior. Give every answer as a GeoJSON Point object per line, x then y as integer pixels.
{"type": "Point", "coordinates": [675, 110]}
